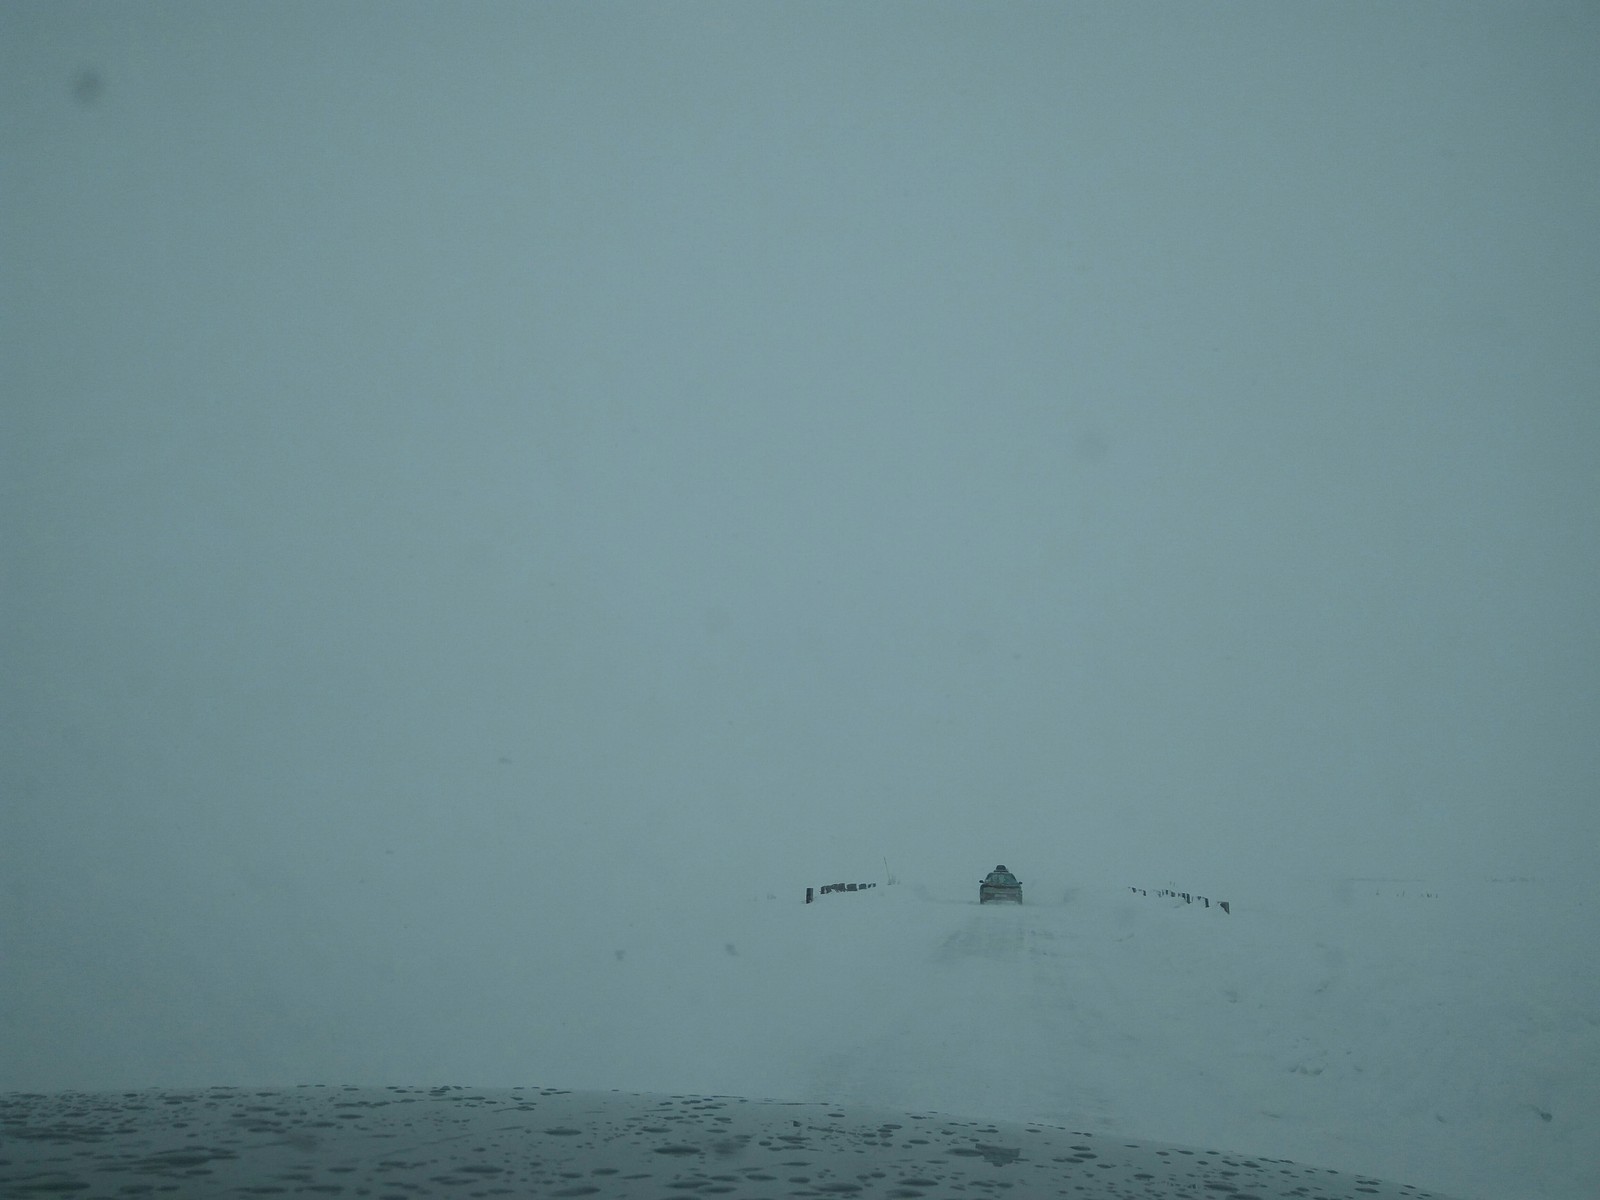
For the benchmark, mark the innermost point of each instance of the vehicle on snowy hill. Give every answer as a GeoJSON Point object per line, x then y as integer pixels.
{"type": "Point", "coordinates": [1000, 886]}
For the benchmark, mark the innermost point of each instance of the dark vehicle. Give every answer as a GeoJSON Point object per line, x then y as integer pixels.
{"type": "Point", "coordinates": [1000, 886]}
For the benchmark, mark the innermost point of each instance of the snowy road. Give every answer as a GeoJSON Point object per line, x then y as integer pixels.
{"type": "Point", "coordinates": [1410, 1036]}
{"type": "Point", "coordinates": [1001, 1013]}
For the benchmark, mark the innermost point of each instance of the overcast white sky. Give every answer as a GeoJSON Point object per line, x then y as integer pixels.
{"type": "Point", "coordinates": [454, 455]}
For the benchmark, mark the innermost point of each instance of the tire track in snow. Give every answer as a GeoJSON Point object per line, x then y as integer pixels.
{"type": "Point", "coordinates": [996, 1023]}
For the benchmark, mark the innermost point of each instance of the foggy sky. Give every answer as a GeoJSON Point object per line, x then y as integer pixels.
{"type": "Point", "coordinates": [459, 456]}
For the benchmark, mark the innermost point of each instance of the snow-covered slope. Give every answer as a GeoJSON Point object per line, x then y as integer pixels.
{"type": "Point", "coordinates": [1430, 1033]}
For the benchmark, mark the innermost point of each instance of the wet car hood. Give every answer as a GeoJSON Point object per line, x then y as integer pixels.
{"type": "Point", "coordinates": [551, 1143]}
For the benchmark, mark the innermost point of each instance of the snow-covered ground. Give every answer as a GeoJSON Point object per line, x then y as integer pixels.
{"type": "Point", "coordinates": [1432, 1032]}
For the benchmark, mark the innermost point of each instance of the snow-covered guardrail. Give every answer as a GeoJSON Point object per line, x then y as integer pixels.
{"type": "Point", "coordinates": [837, 887]}
{"type": "Point", "coordinates": [1186, 897]}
